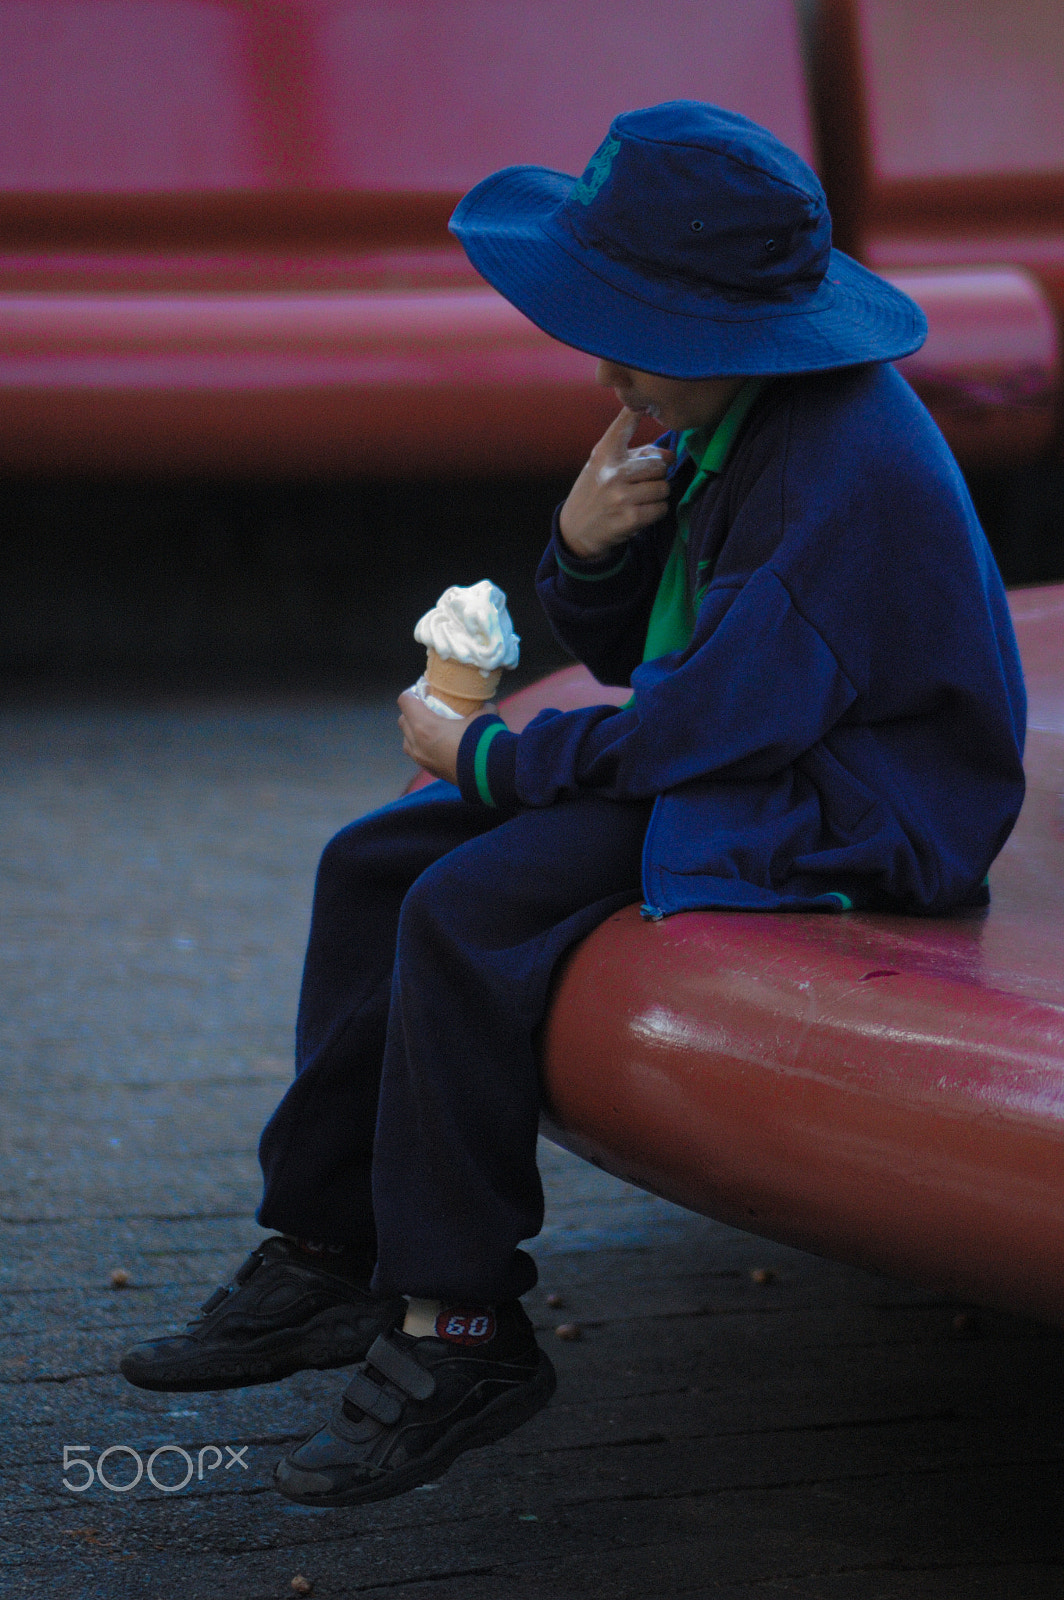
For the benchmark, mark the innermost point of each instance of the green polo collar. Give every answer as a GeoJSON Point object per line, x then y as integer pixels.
{"type": "Point", "coordinates": [710, 451]}
{"type": "Point", "coordinates": [672, 617]}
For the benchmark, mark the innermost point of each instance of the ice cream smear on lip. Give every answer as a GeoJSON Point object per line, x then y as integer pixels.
{"type": "Point", "coordinates": [470, 640]}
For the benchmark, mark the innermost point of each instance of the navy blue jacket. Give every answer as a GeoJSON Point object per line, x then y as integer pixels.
{"type": "Point", "coordinates": [846, 726]}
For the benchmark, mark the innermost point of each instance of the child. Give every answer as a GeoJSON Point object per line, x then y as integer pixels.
{"type": "Point", "coordinates": [827, 712]}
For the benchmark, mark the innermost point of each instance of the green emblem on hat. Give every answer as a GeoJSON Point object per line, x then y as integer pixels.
{"type": "Point", "coordinates": [598, 170]}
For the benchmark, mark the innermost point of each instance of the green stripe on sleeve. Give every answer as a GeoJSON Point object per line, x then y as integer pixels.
{"type": "Point", "coordinates": [592, 577]}
{"type": "Point", "coordinates": [480, 761]}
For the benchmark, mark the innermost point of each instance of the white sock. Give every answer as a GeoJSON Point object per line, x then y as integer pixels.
{"type": "Point", "coordinates": [420, 1319]}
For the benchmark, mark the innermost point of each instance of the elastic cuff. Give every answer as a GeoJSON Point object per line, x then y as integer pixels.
{"type": "Point", "coordinates": [611, 565]}
{"type": "Point", "coordinates": [589, 571]}
{"type": "Point", "coordinates": [487, 764]}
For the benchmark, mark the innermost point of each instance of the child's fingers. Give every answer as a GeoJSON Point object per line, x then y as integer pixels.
{"type": "Point", "coordinates": [612, 448]}
{"type": "Point", "coordinates": [429, 739]}
{"type": "Point", "coordinates": [636, 468]}
{"type": "Point", "coordinates": [618, 492]}
{"type": "Point", "coordinates": [657, 451]}
{"type": "Point", "coordinates": [643, 516]}
{"type": "Point", "coordinates": [653, 491]}
{"type": "Point", "coordinates": [623, 497]}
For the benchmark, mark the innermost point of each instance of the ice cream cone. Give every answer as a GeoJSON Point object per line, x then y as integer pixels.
{"type": "Point", "coordinates": [463, 687]}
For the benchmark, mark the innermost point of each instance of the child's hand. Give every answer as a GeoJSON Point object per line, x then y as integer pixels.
{"type": "Point", "coordinates": [431, 740]}
{"type": "Point", "coordinates": [618, 492]}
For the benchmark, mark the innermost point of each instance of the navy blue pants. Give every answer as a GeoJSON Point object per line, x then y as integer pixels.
{"type": "Point", "coordinates": [410, 1128]}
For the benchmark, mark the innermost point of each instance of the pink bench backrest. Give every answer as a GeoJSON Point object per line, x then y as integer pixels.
{"type": "Point", "coordinates": [942, 116]}
{"type": "Point", "coordinates": [290, 103]}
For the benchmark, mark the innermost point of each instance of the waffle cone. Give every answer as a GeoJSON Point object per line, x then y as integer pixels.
{"type": "Point", "coordinates": [458, 684]}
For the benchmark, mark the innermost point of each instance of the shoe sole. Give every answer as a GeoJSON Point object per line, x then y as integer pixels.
{"type": "Point", "coordinates": [503, 1416]}
{"type": "Point", "coordinates": [312, 1348]}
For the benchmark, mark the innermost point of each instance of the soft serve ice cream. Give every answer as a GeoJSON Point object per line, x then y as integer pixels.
{"type": "Point", "coordinates": [470, 641]}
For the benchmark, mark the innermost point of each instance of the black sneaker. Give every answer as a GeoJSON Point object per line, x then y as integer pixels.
{"type": "Point", "coordinates": [284, 1311]}
{"type": "Point", "coordinates": [414, 1405]}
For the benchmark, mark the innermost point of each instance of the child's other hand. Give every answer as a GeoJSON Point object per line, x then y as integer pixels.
{"type": "Point", "coordinates": [431, 740]}
{"type": "Point", "coordinates": [618, 492]}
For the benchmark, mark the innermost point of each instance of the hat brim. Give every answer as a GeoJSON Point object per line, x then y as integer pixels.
{"type": "Point", "coordinates": [509, 227]}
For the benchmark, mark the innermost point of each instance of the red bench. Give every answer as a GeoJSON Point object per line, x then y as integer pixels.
{"type": "Point", "coordinates": [882, 1089]}
{"type": "Point", "coordinates": [943, 143]}
{"type": "Point", "coordinates": [990, 371]}
{"type": "Point", "coordinates": [223, 238]}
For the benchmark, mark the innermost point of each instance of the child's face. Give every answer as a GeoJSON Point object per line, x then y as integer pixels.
{"type": "Point", "coordinates": [672, 402]}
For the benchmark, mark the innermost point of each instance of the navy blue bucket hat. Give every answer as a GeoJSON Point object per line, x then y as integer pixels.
{"type": "Point", "coordinates": [694, 245]}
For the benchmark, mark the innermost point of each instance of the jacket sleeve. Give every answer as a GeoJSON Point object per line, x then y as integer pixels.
{"type": "Point", "coordinates": [757, 687]}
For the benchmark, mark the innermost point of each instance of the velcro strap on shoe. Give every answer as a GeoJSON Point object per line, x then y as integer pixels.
{"type": "Point", "coordinates": [215, 1300]}
{"type": "Point", "coordinates": [374, 1400]}
{"type": "Point", "coordinates": [246, 1268]}
{"type": "Point", "coordinates": [401, 1369]}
